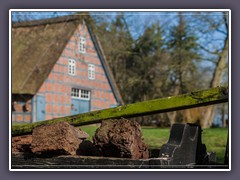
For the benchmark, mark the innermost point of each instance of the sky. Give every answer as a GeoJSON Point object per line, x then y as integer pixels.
{"type": "Point", "coordinates": [135, 19]}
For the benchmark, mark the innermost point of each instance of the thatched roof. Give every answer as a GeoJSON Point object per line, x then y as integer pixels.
{"type": "Point", "coordinates": [37, 45]}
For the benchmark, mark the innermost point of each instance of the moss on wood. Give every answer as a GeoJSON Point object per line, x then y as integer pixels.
{"type": "Point", "coordinates": [180, 102]}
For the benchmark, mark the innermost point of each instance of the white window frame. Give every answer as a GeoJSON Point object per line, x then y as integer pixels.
{"type": "Point", "coordinates": [91, 71]}
{"type": "Point", "coordinates": [80, 94]}
{"type": "Point", "coordinates": [82, 44]}
{"type": "Point", "coordinates": [71, 67]}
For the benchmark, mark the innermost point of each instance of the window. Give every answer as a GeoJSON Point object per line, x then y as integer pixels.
{"type": "Point", "coordinates": [85, 94]}
{"type": "Point", "coordinates": [91, 71]}
{"type": "Point", "coordinates": [82, 44]}
{"type": "Point", "coordinates": [80, 93]}
{"type": "Point", "coordinates": [71, 67]}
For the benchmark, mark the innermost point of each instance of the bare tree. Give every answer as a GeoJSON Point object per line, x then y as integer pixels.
{"type": "Point", "coordinates": [220, 67]}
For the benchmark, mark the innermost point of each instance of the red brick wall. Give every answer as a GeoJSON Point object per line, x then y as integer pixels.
{"type": "Point", "coordinates": [57, 87]}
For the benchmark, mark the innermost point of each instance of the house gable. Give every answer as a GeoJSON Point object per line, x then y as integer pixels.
{"type": "Point", "coordinates": [46, 75]}
{"type": "Point", "coordinates": [35, 49]}
{"type": "Point", "coordinates": [58, 85]}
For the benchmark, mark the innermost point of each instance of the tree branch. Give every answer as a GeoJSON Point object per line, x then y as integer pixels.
{"type": "Point", "coordinates": [205, 49]}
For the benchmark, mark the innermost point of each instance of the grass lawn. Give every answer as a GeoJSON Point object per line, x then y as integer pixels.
{"type": "Point", "coordinates": [215, 139]}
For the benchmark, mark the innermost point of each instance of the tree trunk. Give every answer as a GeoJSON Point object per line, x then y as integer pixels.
{"type": "Point", "coordinates": [172, 115]}
{"type": "Point", "coordinates": [208, 117]}
{"type": "Point", "coordinates": [220, 66]}
{"type": "Point", "coordinates": [216, 81]}
{"type": "Point", "coordinates": [224, 124]}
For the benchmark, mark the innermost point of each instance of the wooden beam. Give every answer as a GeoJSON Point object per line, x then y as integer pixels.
{"type": "Point", "coordinates": [173, 103]}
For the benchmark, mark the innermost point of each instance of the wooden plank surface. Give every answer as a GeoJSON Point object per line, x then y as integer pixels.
{"type": "Point", "coordinates": [28, 161]}
{"type": "Point", "coordinates": [173, 103]}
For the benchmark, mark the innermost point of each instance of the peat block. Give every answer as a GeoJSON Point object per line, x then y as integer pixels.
{"type": "Point", "coordinates": [87, 148]}
{"type": "Point", "coordinates": [57, 139]}
{"type": "Point", "coordinates": [120, 138]}
{"type": "Point", "coordinates": [21, 143]}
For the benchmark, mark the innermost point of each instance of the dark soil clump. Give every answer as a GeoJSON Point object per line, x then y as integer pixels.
{"type": "Point", "coordinates": [21, 143]}
{"type": "Point", "coordinates": [57, 139]}
{"type": "Point", "coordinates": [120, 138]}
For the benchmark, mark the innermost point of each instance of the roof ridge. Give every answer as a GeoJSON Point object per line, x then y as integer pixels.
{"type": "Point", "coordinates": [54, 20]}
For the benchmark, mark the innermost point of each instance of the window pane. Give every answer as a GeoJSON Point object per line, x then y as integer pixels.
{"type": "Point", "coordinates": [91, 71]}
{"type": "Point", "coordinates": [85, 94]}
{"type": "Point", "coordinates": [82, 94]}
{"type": "Point", "coordinates": [71, 67]}
{"type": "Point", "coordinates": [82, 44]}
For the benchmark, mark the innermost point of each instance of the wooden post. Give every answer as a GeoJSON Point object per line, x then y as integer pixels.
{"type": "Point", "coordinates": [179, 102]}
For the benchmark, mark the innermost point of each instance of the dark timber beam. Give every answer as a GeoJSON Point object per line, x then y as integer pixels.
{"type": "Point", "coordinates": [173, 103]}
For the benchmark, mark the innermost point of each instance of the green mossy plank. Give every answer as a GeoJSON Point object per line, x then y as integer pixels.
{"type": "Point", "coordinates": [173, 103]}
